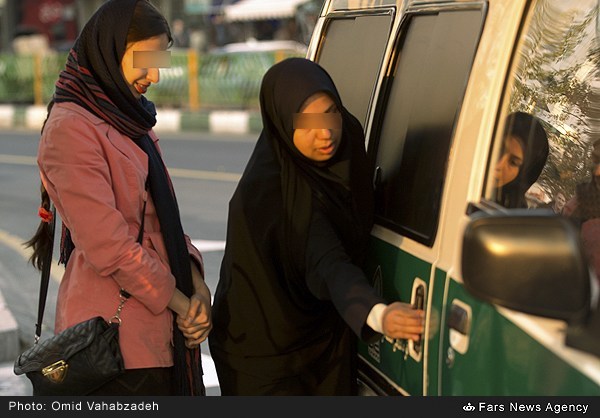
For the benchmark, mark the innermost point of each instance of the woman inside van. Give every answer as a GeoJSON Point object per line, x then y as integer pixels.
{"type": "Point", "coordinates": [524, 154]}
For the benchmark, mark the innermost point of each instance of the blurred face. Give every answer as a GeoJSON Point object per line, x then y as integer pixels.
{"type": "Point", "coordinates": [141, 62]}
{"type": "Point", "coordinates": [510, 162]}
{"type": "Point", "coordinates": [318, 128]}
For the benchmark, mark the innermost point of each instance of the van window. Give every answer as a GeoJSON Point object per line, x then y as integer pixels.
{"type": "Point", "coordinates": [555, 80]}
{"type": "Point", "coordinates": [421, 102]}
{"type": "Point", "coordinates": [352, 52]}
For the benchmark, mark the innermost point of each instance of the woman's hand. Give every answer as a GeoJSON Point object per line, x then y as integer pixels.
{"type": "Point", "coordinates": [197, 323]}
{"type": "Point", "coordinates": [402, 321]}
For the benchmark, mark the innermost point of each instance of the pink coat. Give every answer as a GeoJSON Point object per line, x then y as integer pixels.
{"type": "Point", "coordinates": [95, 176]}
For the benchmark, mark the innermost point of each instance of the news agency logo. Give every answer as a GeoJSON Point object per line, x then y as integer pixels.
{"type": "Point", "coordinates": [547, 407]}
{"type": "Point", "coordinates": [468, 407]}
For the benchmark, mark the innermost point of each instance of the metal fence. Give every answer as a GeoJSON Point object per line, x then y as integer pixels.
{"type": "Point", "coordinates": [194, 81]}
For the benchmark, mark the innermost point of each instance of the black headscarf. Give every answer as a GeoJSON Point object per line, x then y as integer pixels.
{"type": "Point", "coordinates": [341, 186]}
{"type": "Point", "coordinates": [532, 137]}
{"type": "Point", "coordinates": [93, 80]}
{"type": "Point", "coordinates": [270, 214]}
{"type": "Point", "coordinates": [92, 76]}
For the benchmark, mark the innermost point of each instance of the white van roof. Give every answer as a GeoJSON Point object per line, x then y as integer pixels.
{"type": "Point", "coordinates": [340, 5]}
{"type": "Point", "coordinates": [362, 4]}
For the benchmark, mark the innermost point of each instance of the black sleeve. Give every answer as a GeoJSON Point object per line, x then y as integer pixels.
{"type": "Point", "coordinates": [331, 275]}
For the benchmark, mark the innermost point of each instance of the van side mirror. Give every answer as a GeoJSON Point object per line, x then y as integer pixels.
{"type": "Point", "coordinates": [529, 261]}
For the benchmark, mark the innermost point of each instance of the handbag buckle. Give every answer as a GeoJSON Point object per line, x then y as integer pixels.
{"type": "Point", "coordinates": [56, 372]}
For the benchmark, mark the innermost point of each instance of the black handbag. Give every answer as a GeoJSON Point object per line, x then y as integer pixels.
{"type": "Point", "coordinates": [81, 358]}
{"type": "Point", "coordinates": [77, 361]}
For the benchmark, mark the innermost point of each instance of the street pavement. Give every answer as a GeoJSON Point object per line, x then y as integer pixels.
{"type": "Point", "coordinates": [10, 384]}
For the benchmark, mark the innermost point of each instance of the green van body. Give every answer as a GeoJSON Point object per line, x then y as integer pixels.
{"type": "Point", "coordinates": [452, 61]}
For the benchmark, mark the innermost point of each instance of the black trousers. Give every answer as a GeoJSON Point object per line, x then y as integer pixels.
{"type": "Point", "coordinates": [139, 382]}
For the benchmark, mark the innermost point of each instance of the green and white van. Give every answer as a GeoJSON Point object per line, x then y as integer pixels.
{"type": "Point", "coordinates": [511, 294]}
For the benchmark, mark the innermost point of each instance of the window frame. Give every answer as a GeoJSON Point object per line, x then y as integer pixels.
{"type": "Point", "coordinates": [356, 14]}
{"type": "Point", "coordinates": [383, 99]}
{"type": "Point", "coordinates": [486, 201]}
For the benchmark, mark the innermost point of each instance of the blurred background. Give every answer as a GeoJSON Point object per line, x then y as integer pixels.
{"type": "Point", "coordinates": [221, 48]}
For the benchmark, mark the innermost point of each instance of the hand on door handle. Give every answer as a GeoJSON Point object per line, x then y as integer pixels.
{"type": "Point", "coordinates": [402, 321]}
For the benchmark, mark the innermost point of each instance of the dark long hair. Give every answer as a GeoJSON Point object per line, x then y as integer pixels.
{"type": "Point", "coordinates": [41, 242]}
{"type": "Point", "coordinates": [146, 22]}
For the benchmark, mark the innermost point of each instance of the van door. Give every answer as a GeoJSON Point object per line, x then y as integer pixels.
{"type": "Point", "coordinates": [410, 143]}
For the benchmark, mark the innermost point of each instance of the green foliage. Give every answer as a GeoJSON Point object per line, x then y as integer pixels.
{"type": "Point", "coordinates": [224, 80]}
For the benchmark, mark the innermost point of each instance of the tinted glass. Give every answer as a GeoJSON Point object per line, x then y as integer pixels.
{"type": "Point", "coordinates": [352, 52]}
{"type": "Point", "coordinates": [426, 89]}
{"type": "Point", "coordinates": [556, 80]}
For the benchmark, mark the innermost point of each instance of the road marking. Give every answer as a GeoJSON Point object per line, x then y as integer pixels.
{"type": "Point", "coordinates": [18, 159]}
{"type": "Point", "coordinates": [209, 377]}
{"type": "Point", "coordinates": [205, 246]}
{"type": "Point", "coordinates": [204, 175]}
{"type": "Point", "coordinates": [16, 243]}
{"type": "Point", "coordinates": [174, 172]}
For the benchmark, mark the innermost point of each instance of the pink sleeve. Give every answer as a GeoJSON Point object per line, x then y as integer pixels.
{"type": "Point", "coordinates": [195, 255]}
{"type": "Point", "coordinates": [74, 166]}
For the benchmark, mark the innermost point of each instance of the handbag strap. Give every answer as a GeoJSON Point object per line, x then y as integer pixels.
{"type": "Point", "coordinates": [45, 275]}
{"type": "Point", "coordinates": [45, 281]}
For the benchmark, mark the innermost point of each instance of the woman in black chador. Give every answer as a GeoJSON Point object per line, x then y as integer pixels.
{"type": "Point", "coordinates": [292, 297]}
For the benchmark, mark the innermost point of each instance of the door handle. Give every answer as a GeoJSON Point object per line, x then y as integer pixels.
{"type": "Point", "coordinates": [459, 323]}
{"type": "Point", "coordinates": [377, 178]}
{"type": "Point", "coordinates": [417, 299]}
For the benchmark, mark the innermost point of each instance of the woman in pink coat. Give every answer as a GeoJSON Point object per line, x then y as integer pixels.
{"type": "Point", "coordinates": [100, 164]}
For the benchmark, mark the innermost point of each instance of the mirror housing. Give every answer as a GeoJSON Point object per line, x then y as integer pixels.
{"type": "Point", "coordinates": [529, 261]}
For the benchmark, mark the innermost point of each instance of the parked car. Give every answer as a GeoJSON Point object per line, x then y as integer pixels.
{"type": "Point", "coordinates": [510, 294]}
